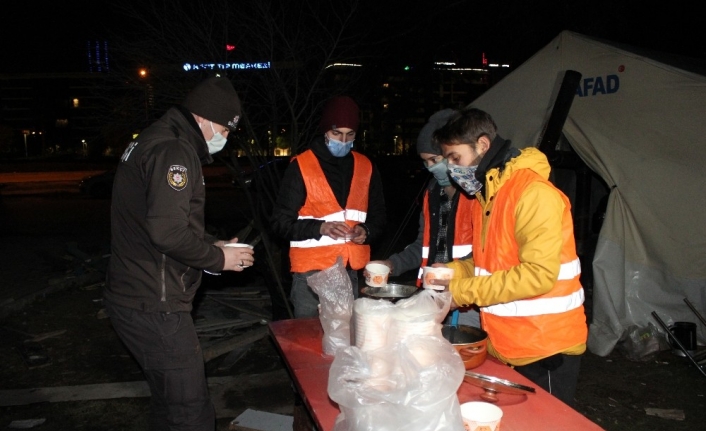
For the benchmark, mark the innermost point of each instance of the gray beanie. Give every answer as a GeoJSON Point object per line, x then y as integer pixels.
{"type": "Point", "coordinates": [215, 99]}
{"type": "Point", "coordinates": [436, 122]}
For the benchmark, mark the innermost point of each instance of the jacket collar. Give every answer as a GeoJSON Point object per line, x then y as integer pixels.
{"type": "Point", "coordinates": [498, 154]}
{"type": "Point", "coordinates": [194, 135]}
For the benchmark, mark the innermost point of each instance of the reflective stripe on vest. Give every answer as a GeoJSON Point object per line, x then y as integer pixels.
{"type": "Point", "coordinates": [457, 252]}
{"type": "Point", "coordinates": [537, 307]}
{"type": "Point", "coordinates": [568, 271]}
{"type": "Point", "coordinates": [354, 215]}
{"type": "Point", "coordinates": [462, 230]}
{"type": "Point", "coordinates": [321, 204]}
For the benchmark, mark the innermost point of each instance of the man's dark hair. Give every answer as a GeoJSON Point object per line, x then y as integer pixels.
{"type": "Point", "coordinates": [465, 127]}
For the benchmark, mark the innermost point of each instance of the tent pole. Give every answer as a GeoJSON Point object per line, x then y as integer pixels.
{"type": "Point", "coordinates": [560, 111]}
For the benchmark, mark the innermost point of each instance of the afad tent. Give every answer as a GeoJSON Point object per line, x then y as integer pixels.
{"type": "Point", "coordinates": [640, 124]}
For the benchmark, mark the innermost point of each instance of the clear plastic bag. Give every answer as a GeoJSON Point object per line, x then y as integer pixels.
{"type": "Point", "coordinates": [411, 386]}
{"type": "Point", "coordinates": [409, 383]}
{"type": "Point", "coordinates": [333, 285]}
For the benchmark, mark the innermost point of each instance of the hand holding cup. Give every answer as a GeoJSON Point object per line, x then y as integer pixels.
{"type": "Point", "coordinates": [238, 256]}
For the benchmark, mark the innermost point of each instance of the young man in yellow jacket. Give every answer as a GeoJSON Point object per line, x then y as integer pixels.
{"type": "Point", "coordinates": [524, 272]}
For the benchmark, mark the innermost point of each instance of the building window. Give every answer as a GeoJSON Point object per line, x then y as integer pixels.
{"type": "Point", "coordinates": [62, 122]}
{"type": "Point", "coordinates": [74, 103]}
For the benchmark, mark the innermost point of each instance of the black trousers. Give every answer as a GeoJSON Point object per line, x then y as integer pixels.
{"type": "Point", "coordinates": [556, 374]}
{"type": "Point", "coordinates": [167, 348]}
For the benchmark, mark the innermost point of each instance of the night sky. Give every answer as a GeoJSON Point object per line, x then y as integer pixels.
{"type": "Point", "coordinates": [51, 37]}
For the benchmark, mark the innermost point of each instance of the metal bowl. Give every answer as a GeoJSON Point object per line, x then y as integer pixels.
{"type": "Point", "coordinates": [390, 292]}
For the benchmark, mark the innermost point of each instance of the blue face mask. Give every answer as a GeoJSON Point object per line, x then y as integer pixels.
{"type": "Point", "coordinates": [338, 148]}
{"type": "Point", "coordinates": [440, 172]}
{"type": "Point", "coordinates": [465, 177]}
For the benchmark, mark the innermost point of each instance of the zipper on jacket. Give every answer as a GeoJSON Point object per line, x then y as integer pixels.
{"type": "Point", "coordinates": [163, 276]}
{"type": "Point", "coordinates": [183, 285]}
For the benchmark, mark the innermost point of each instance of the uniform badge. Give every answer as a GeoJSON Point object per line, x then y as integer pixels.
{"type": "Point", "coordinates": [177, 178]}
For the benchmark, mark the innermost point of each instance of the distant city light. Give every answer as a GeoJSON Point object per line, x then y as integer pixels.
{"type": "Point", "coordinates": [230, 47]}
{"type": "Point", "coordinates": [343, 65]}
{"type": "Point", "coordinates": [463, 69]}
{"type": "Point", "coordinates": [407, 68]}
{"type": "Point", "coordinates": [225, 66]}
{"type": "Point", "coordinates": [445, 63]}
{"type": "Point", "coordinates": [97, 52]}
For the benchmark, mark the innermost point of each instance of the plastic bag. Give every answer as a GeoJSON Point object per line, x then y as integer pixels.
{"type": "Point", "coordinates": [641, 343]}
{"type": "Point", "coordinates": [410, 382]}
{"type": "Point", "coordinates": [411, 386]}
{"type": "Point", "coordinates": [420, 314]}
{"type": "Point", "coordinates": [377, 323]}
{"type": "Point", "coordinates": [333, 285]}
{"type": "Point", "coordinates": [370, 324]}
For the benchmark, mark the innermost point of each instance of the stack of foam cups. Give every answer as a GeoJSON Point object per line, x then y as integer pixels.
{"type": "Point", "coordinates": [406, 323]}
{"type": "Point", "coordinates": [370, 326]}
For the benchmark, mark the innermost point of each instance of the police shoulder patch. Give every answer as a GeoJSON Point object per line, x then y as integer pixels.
{"type": "Point", "coordinates": [177, 178]}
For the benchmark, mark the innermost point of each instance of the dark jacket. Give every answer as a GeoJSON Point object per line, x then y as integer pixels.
{"type": "Point", "coordinates": [158, 244]}
{"type": "Point", "coordinates": [339, 173]}
{"type": "Point", "coordinates": [411, 257]}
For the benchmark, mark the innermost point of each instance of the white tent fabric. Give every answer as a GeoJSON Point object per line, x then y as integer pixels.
{"type": "Point", "coordinates": [640, 125]}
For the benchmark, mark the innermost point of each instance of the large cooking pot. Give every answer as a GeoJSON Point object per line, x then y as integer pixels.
{"type": "Point", "coordinates": [391, 292]}
{"type": "Point", "coordinates": [470, 342]}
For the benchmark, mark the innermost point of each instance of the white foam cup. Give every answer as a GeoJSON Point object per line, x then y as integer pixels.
{"type": "Point", "coordinates": [431, 273]}
{"type": "Point", "coordinates": [237, 244]}
{"type": "Point", "coordinates": [479, 415]}
{"type": "Point", "coordinates": [376, 274]}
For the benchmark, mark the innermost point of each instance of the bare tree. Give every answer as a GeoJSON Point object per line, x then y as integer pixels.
{"type": "Point", "coordinates": [298, 39]}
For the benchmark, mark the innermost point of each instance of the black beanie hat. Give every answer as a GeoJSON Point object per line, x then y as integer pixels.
{"type": "Point", "coordinates": [339, 112]}
{"type": "Point", "coordinates": [215, 99]}
{"type": "Point", "coordinates": [436, 122]}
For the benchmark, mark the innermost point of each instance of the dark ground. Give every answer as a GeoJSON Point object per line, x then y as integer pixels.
{"type": "Point", "coordinates": [614, 392]}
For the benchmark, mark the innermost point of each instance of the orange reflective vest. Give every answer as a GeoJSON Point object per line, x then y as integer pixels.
{"type": "Point", "coordinates": [539, 326]}
{"type": "Point", "coordinates": [321, 204]}
{"type": "Point", "coordinates": [460, 227]}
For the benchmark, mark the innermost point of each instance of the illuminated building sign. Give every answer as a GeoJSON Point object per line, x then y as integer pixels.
{"type": "Point", "coordinates": [225, 66]}
{"type": "Point", "coordinates": [343, 65]}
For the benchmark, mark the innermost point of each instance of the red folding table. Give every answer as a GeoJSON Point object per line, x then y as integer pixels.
{"type": "Point", "coordinates": [299, 343]}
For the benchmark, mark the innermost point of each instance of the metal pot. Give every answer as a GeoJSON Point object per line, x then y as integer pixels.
{"type": "Point", "coordinates": [470, 342]}
{"type": "Point", "coordinates": [391, 292]}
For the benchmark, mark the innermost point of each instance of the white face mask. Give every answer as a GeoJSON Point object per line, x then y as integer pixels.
{"type": "Point", "coordinates": [217, 142]}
